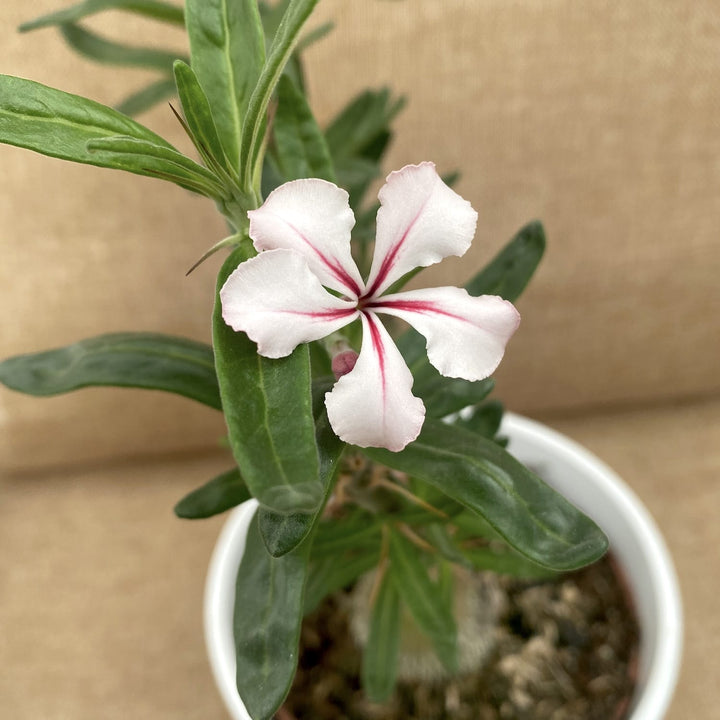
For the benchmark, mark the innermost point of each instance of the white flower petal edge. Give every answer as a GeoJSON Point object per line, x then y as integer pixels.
{"type": "Point", "coordinates": [466, 335]}
{"type": "Point", "coordinates": [312, 217]}
{"type": "Point", "coordinates": [373, 405]}
{"type": "Point", "coordinates": [420, 222]}
{"type": "Point", "coordinates": [279, 302]}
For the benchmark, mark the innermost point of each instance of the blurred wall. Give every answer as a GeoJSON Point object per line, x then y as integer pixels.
{"type": "Point", "coordinates": [599, 118]}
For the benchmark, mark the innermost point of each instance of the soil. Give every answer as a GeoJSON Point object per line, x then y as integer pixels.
{"type": "Point", "coordinates": [565, 649]}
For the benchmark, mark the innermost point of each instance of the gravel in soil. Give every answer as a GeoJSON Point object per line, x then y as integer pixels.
{"type": "Point", "coordinates": [565, 649]}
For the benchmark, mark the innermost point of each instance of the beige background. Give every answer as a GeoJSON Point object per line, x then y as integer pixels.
{"type": "Point", "coordinates": [600, 118]}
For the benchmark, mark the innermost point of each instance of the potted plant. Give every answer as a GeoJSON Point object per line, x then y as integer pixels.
{"type": "Point", "coordinates": [373, 463]}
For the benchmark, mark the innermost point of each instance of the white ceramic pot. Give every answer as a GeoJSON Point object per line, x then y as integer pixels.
{"type": "Point", "coordinates": [585, 481]}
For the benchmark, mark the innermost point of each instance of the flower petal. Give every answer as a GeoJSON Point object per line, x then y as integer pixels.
{"type": "Point", "coordinates": [277, 300]}
{"type": "Point", "coordinates": [312, 217]}
{"type": "Point", "coordinates": [373, 406]}
{"type": "Point", "coordinates": [420, 222]}
{"type": "Point", "coordinates": [466, 335]}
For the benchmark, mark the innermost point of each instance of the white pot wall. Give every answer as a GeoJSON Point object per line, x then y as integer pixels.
{"type": "Point", "coordinates": [585, 481]}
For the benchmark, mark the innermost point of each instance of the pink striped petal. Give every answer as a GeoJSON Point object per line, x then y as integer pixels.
{"type": "Point", "coordinates": [420, 222]}
{"type": "Point", "coordinates": [312, 217]}
{"type": "Point", "coordinates": [277, 300]}
{"type": "Point", "coordinates": [466, 335]}
{"type": "Point", "coordinates": [373, 405]}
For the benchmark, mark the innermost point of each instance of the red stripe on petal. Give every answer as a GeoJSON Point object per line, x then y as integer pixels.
{"type": "Point", "coordinates": [389, 260]}
{"type": "Point", "coordinates": [331, 264]}
{"type": "Point", "coordinates": [417, 306]}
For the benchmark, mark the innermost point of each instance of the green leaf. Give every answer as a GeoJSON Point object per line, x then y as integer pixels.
{"type": "Point", "coordinates": [147, 158]}
{"type": "Point", "coordinates": [380, 655]}
{"type": "Point", "coordinates": [227, 47]}
{"type": "Point", "coordinates": [366, 117]}
{"type": "Point", "coordinates": [214, 497]}
{"type": "Point", "coordinates": [510, 270]}
{"type": "Point", "coordinates": [278, 55]}
{"type": "Point", "coordinates": [329, 574]}
{"type": "Point", "coordinates": [283, 533]}
{"type": "Point", "coordinates": [147, 97]}
{"type": "Point", "coordinates": [141, 360]}
{"type": "Point", "coordinates": [358, 530]}
{"type": "Point", "coordinates": [300, 147]}
{"type": "Point", "coordinates": [59, 124]}
{"type": "Point", "coordinates": [443, 396]}
{"type": "Point", "coordinates": [484, 420]}
{"type": "Point", "coordinates": [199, 117]}
{"type": "Point", "coordinates": [268, 411]}
{"type": "Point", "coordinates": [111, 53]}
{"type": "Point", "coordinates": [505, 562]}
{"type": "Point", "coordinates": [530, 516]}
{"type": "Point", "coordinates": [268, 615]}
{"type": "Point", "coordinates": [154, 9]}
{"type": "Point", "coordinates": [422, 597]}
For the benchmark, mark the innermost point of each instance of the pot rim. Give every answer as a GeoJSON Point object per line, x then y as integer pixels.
{"type": "Point", "coordinates": [655, 588]}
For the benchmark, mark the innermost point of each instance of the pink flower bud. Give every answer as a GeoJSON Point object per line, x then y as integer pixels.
{"type": "Point", "coordinates": [343, 363]}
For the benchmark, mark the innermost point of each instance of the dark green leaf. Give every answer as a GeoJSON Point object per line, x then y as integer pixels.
{"type": "Point", "coordinates": [268, 614]}
{"type": "Point", "coordinates": [330, 574]}
{"type": "Point", "coordinates": [380, 655]}
{"type": "Point", "coordinates": [443, 396]}
{"type": "Point", "coordinates": [142, 360]}
{"type": "Point", "coordinates": [59, 124]}
{"type": "Point", "coordinates": [146, 158]}
{"type": "Point", "coordinates": [283, 533]}
{"type": "Point", "coordinates": [300, 147]}
{"type": "Point", "coordinates": [147, 97]}
{"type": "Point", "coordinates": [511, 269]}
{"type": "Point", "coordinates": [199, 117]}
{"type": "Point", "coordinates": [227, 47]}
{"type": "Point", "coordinates": [278, 55]}
{"type": "Point", "coordinates": [220, 494]}
{"type": "Point", "coordinates": [505, 562]}
{"type": "Point", "coordinates": [268, 410]}
{"type": "Point", "coordinates": [359, 124]}
{"type": "Point", "coordinates": [529, 515]}
{"type": "Point", "coordinates": [484, 420]}
{"type": "Point", "coordinates": [359, 530]}
{"type": "Point", "coordinates": [421, 596]}
{"type": "Point", "coordinates": [105, 51]}
{"type": "Point", "coordinates": [154, 9]}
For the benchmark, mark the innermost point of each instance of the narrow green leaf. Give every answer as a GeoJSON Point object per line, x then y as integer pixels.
{"type": "Point", "coordinates": [299, 145]}
{"type": "Point", "coordinates": [358, 125]}
{"type": "Point", "coordinates": [214, 497]}
{"type": "Point", "coordinates": [141, 360]}
{"type": "Point", "coordinates": [510, 270]}
{"type": "Point", "coordinates": [484, 420]}
{"type": "Point", "coordinates": [199, 117]}
{"type": "Point", "coordinates": [283, 533]}
{"type": "Point", "coordinates": [278, 55]}
{"type": "Point", "coordinates": [329, 574]}
{"type": "Point", "coordinates": [380, 655]}
{"type": "Point", "coordinates": [314, 35]}
{"type": "Point", "coordinates": [506, 562]}
{"type": "Point", "coordinates": [530, 516]}
{"type": "Point", "coordinates": [101, 50]}
{"type": "Point", "coordinates": [227, 47]}
{"type": "Point", "coordinates": [147, 97]}
{"type": "Point", "coordinates": [443, 396]}
{"type": "Point", "coordinates": [268, 411]}
{"type": "Point", "coordinates": [59, 124]}
{"type": "Point", "coordinates": [267, 619]}
{"type": "Point", "coordinates": [146, 158]}
{"type": "Point", "coordinates": [422, 597]}
{"type": "Point", "coordinates": [154, 9]}
{"type": "Point", "coordinates": [359, 530]}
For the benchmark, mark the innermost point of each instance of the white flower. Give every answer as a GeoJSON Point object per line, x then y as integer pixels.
{"type": "Point", "coordinates": [302, 232]}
